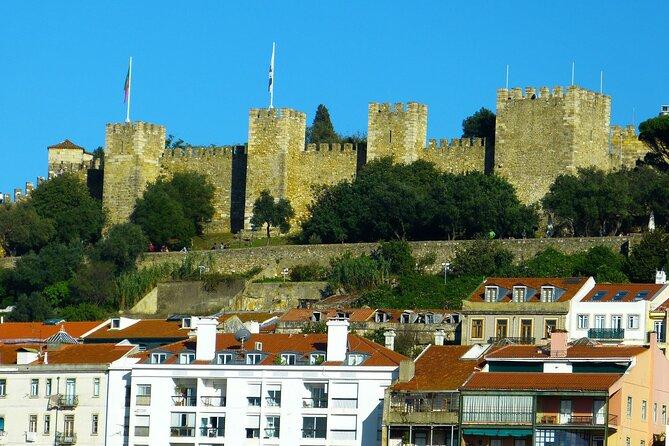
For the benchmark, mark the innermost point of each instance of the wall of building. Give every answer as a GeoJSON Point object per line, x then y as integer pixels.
{"type": "Point", "coordinates": [456, 156]}
{"type": "Point", "coordinates": [608, 309]}
{"type": "Point", "coordinates": [539, 313]}
{"type": "Point", "coordinates": [63, 160]}
{"type": "Point", "coordinates": [396, 130]}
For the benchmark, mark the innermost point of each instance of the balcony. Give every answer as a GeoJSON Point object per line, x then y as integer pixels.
{"type": "Point", "coordinates": [423, 408]}
{"type": "Point", "coordinates": [63, 401]}
{"type": "Point", "coordinates": [497, 417]}
{"type": "Point", "coordinates": [313, 433]}
{"type": "Point", "coordinates": [314, 403]}
{"type": "Point", "coordinates": [576, 420]}
{"type": "Point", "coordinates": [181, 400]}
{"type": "Point", "coordinates": [213, 401]}
{"type": "Point", "coordinates": [182, 431]}
{"type": "Point", "coordinates": [66, 438]}
{"type": "Point", "coordinates": [519, 340]}
{"type": "Point", "coordinates": [212, 432]}
{"type": "Point", "coordinates": [606, 334]}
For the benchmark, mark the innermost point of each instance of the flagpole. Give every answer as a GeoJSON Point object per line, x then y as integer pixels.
{"type": "Point", "coordinates": [271, 78]}
{"type": "Point", "coordinates": [507, 77]}
{"type": "Point", "coordinates": [127, 112]}
{"type": "Point", "coordinates": [573, 66]}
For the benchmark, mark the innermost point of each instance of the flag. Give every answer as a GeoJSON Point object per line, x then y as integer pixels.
{"type": "Point", "coordinates": [270, 86]}
{"type": "Point", "coordinates": [126, 86]}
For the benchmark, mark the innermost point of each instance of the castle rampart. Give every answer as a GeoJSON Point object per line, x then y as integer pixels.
{"type": "Point", "coordinates": [459, 155]}
{"type": "Point", "coordinates": [625, 147]}
{"type": "Point", "coordinates": [398, 130]}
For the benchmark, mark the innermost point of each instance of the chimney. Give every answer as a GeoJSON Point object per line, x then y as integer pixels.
{"type": "Point", "coordinates": [660, 277]}
{"type": "Point", "coordinates": [558, 343]}
{"type": "Point", "coordinates": [46, 357]}
{"type": "Point", "coordinates": [390, 339]}
{"type": "Point", "coordinates": [337, 339]}
{"type": "Point", "coordinates": [652, 340]}
{"type": "Point", "coordinates": [407, 370]}
{"type": "Point", "coordinates": [439, 336]}
{"type": "Point", "coordinates": [205, 344]}
{"type": "Point", "coordinates": [26, 356]}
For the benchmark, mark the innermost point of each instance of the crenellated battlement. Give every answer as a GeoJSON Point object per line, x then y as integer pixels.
{"type": "Point", "coordinates": [628, 131]}
{"type": "Point", "coordinates": [325, 147]}
{"type": "Point", "coordinates": [445, 144]}
{"type": "Point", "coordinates": [398, 107]}
{"type": "Point", "coordinates": [145, 127]}
{"type": "Point", "coordinates": [204, 152]}
{"type": "Point", "coordinates": [276, 113]}
{"type": "Point", "coordinates": [533, 93]}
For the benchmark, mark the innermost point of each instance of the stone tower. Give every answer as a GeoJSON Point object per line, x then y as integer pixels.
{"type": "Point", "coordinates": [399, 131]}
{"type": "Point", "coordinates": [132, 160]}
{"type": "Point", "coordinates": [274, 136]}
{"type": "Point", "coordinates": [542, 134]}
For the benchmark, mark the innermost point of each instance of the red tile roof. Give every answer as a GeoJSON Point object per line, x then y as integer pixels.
{"type": "Point", "coordinates": [632, 289]}
{"type": "Point", "coordinates": [571, 285]}
{"type": "Point", "coordinates": [69, 353]}
{"type": "Point", "coordinates": [66, 144]}
{"type": "Point", "coordinates": [246, 316]}
{"type": "Point", "coordinates": [143, 329]}
{"type": "Point", "coordinates": [39, 331]}
{"type": "Point", "coordinates": [275, 343]}
{"type": "Point", "coordinates": [540, 381]}
{"type": "Point", "coordinates": [573, 352]}
{"type": "Point", "coordinates": [355, 314]}
{"type": "Point", "coordinates": [440, 368]}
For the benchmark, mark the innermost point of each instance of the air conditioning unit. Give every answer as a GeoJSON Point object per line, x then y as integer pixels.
{"type": "Point", "coordinates": [31, 437]}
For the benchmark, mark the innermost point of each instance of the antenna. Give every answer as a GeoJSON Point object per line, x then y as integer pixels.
{"type": "Point", "coordinates": [242, 335]}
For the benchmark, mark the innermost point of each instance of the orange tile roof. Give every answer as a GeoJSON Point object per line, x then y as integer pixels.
{"type": "Point", "coordinates": [540, 381]}
{"type": "Point", "coordinates": [275, 343]}
{"type": "Point", "coordinates": [632, 290]}
{"type": "Point", "coordinates": [143, 329]}
{"type": "Point", "coordinates": [245, 316]}
{"type": "Point", "coordinates": [355, 314]}
{"type": "Point", "coordinates": [66, 144]}
{"type": "Point", "coordinates": [39, 331]}
{"type": "Point", "coordinates": [69, 353]}
{"type": "Point", "coordinates": [571, 285]}
{"type": "Point", "coordinates": [440, 368]}
{"type": "Point", "coordinates": [573, 352]}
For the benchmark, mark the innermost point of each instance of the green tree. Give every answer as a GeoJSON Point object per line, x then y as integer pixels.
{"type": "Point", "coordinates": [122, 245]}
{"type": "Point", "coordinates": [65, 200]}
{"type": "Point", "coordinates": [354, 274]}
{"type": "Point", "coordinates": [22, 229]}
{"type": "Point", "coordinates": [321, 129]}
{"type": "Point", "coordinates": [195, 194]}
{"type": "Point", "coordinates": [395, 257]}
{"type": "Point", "coordinates": [162, 219]}
{"type": "Point", "coordinates": [654, 133]}
{"type": "Point", "coordinates": [31, 308]}
{"type": "Point", "coordinates": [94, 283]}
{"type": "Point", "coordinates": [649, 255]}
{"type": "Point", "coordinates": [272, 213]}
{"type": "Point", "coordinates": [483, 257]}
{"type": "Point", "coordinates": [83, 312]}
{"type": "Point", "coordinates": [479, 125]}
{"type": "Point", "coordinates": [547, 263]}
{"type": "Point", "coordinates": [54, 263]}
{"type": "Point", "coordinates": [602, 263]}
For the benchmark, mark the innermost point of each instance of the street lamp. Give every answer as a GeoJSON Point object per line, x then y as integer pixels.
{"type": "Point", "coordinates": [445, 266]}
{"type": "Point", "coordinates": [284, 273]}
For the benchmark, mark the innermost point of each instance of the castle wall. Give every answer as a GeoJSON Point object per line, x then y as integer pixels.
{"type": "Point", "coordinates": [318, 165]}
{"type": "Point", "coordinates": [540, 135]}
{"type": "Point", "coordinates": [625, 147]}
{"type": "Point", "coordinates": [399, 131]}
{"type": "Point", "coordinates": [132, 160]}
{"type": "Point", "coordinates": [216, 164]}
{"type": "Point", "coordinates": [62, 160]}
{"type": "Point", "coordinates": [455, 156]}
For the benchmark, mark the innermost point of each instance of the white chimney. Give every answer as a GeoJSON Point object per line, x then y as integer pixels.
{"type": "Point", "coordinates": [389, 339]}
{"type": "Point", "coordinates": [660, 277]}
{"type": "Point", "coordinates": [26, 356]}
{"type": "Point", "coordinates": [205, 346]}
{"type": "Point", "coordinates": [337, 339]}
{"type": "Point", "coordinates": [46, 357]}
{"type": "Point", "coordinates": [439, 336]}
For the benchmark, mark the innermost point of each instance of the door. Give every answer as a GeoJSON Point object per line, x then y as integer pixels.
{"type": "Point", "coordinates": [526, 328]}
{"type": "Point", "coordinates": [420, 438]}
{"type": "Point", "coordinates": [565, 411]}
{"type": "Point", "coordinates": [598, 411]}
{"type": "Point", "coordinates": [70, 390]}
{"type": "Point", "coordinates": [617, 322]}
{"type": "Point", "coordinates": [501, 329]}
{"type": "Point", "coordinates": [599, 321]}
{"type": "Point", "coordinates": [69, 426]}
{"type": "Point", "coordinates": [519, 442]}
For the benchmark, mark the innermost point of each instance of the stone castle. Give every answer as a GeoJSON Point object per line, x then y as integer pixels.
{"type": "Point", "coordinates": [540, 134]}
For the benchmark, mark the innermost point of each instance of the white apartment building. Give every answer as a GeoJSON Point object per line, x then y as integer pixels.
{"type": "Point", "coordinates": [618, 313]}
{"type": "Point", "coordinates": [258, 389]}
{"type": "Point", "coordinates": [56, 396]}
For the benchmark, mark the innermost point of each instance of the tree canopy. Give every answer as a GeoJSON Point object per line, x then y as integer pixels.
{"type": "Point", "coordinates": [655, 133]}
{"type": "Point", "coordinates": [322, 130]}
{"type": "Point", "coordinates": [22, 229]}
{"type": "Point", "coordinates": [480, 125]}
{"type": "Point", "coordinates": [269, 212]}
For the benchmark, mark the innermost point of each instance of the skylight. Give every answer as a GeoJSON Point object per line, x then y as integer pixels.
{"type": "Point", "coordinates": [620, 295]}
{"type": "Point", "coordinates": [599, 295]}
{"type": "Point", "coordinates": [641, 295]}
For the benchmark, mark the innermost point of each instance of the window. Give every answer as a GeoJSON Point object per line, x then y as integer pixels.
{"type": "Point", "coordinates": [629, 406]}
{"type": "Point", "coordinates": [501, 328]}
{"type": "Point", "coordinates": [143, 395]}
{"type": "Point", "coordinates": [2, 424]}
{"type": "Point", "coordinates": [343, 427]}
{"type": "Point", "coordinates": [664, 414]}
{"type": "Point", "coordinates": [617, 321]}
{"type": "Point", "coordinates": [599, 295]}
{"type": "Point", "coordinates": [96, 386]}
{"type": "Point", "coordinates": [526, 329]}
{"type": "Point", "coordinates": [212, 426]}
{"type": "Point", "coordinates": [253, 358]}
{"type": "Point", "coordinates": [654, 412]}
{"type": "Point", "coordinates": [3, 387]}
{"type": "Point", "coordinates": [477, 329]}
{"type": "Point", "coordinates": [658, 326]}
{"type": "Point", "coordinates": [47, 424]}
{"type": "Point", "coordinates": [519, 293]}
{"type": "Point", "coordinates": [253, 426]}
{"type": "Point", "coordinates": [644, 410]}
{"type": "Point", "coordinates": [274, 395]}
{"type": "Point", "coordinates": [317, 395]}
{"type": "Point", "coordinates": [186, 358]}
{"type": "Point", "coordinates": [600, 321]}
{"type": "Point", "coordinates": [32, 423]}
{"type": "Point", "coordinates": [620, 295]}
{"type": "Point", "coordinates": [316, 316]}
{"type": "Point", "coordinates": [253, 397]}
{"type": "Point", "coordinates": [547, 294]}
{"type": "Point", "coordinates": [186, 322]}
{"type": "Point", "coordinates": [545, 437]}
{"type": "Point", "coordinates": [116, 323]}
{"type": "Point", "coordinates": [273, 424]}
{"type": "Point", "coordinates": [491, 293]}
{"type": "Point", "coordinates": [158, 358]}
{"type": "Point", "coordinates": [633, 321]}
{"type": "Point", "coordinates": [68, 427]}
{"type": "Point", "coordinates": [354, 359]}
{"type": "Point", "coordinates": [142, 425]}
{"type": "Point", "coordinates": [287, 359]}
{"type": "Point", "coordinates": [314, 427]}
{"type": "Point", "coordinates": [183, 424]}
{"type": "Point", "coordinates": [405, 318]}
{"type": "Point", "coordinates": [583, 321]}
{"type": "Point", "coordinates": [381, 316]}
{"type": "Point", "coordinates": [95, 418]}
{"type": "Point", "coordinates": [34, 388]}
{"type": "Point", "coordinates": [316, 358]}
{"type": "Point", "coordinates": [429, 318]}
{"type": "Point", "coordinates": [47, 387]}
{"type": "Point", "coordinates": [549, 326]}
{"type": "Point", "coordinates": [224, 358]}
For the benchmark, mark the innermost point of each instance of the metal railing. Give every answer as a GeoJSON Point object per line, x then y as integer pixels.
{"type": "Point", "coordinates": [63, 401]}
{"type": "Point", "coordinates": [314, 403]}
{"type": "Point", "coordinates": [273, 402]}
{"type": "Point", "coordinates": [182, 431]}
{"type": "Point", "coordinates": [181, 400]}
{"type": "Point", "coordinates": [513, 340]}
{"type": "Point", "coordinates": [498, 417]}
{"type": "Point", "coordinates": [272, 432]}
{"type": "Point", "coordinates": [313, 433]}
{"type": "Point", "coordinates": [213, 401]}
{"type": "Point", "coordinates": [424, 402]}
{"type": "Point", "coordinates": [212, 432]}
{"type": "Point", "coordinates": [577, 420]}
{"type": "Point", "coordinates": [66, 438]}
{"type": "Point", "coordinates": [606, 333]}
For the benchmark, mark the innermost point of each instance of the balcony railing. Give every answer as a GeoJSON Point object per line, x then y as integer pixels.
{"type": "Point", "coordinates": [181, 400]}
{"type": "Point", "coordinates": [606, 333]}
{"type": "Point", "coordinates": [213, 401]}
{"type": "Point", "coordinates": [272, 432]}
{"type": "Point", "coordinates": [516, 340]}
{"type": "Point", "coordinates": [577, 420]}
{"type": "Point", "coordinates": [424, 402]}
{"type": "Point", "coordinates": [314, 403]}
{"type": "Point", "coordinates": [273, 402]}
{"type": "Point", "coordinates": [143, 400]}
{"type": "Point", "coordinates": [182, 431]}
{"type": "Point", "coordinates": [212, 432]}
{"type": "Point", "coordinates": [66, 438]}
{"type": "Point", "coordinates": [63, 401]}
{"type": "Point", "coordinates": [498, 417]}
{"type": "Point", "coordinates": [313, 433]}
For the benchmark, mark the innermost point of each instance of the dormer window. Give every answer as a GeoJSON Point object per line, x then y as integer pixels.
{"type": "Point", "coordinates": [491, 293]}
{"type": "Point", "coordinates": [316, 316]}
{"type": "Point", "coordinates": [519, 293]}
{"type": "Point", "coordinates": [381, 316]}
{"type": "Point", "coordinates": [186, 322]}
{"type": "Point", "coordinates": [548, 294]}
{"type": "Point", "coordinates": [355, 358]}
{"type": "Point", "coordinates": [158, 358]}
{"type": "Point", "coordinates": [405, 318]}
{"type": "Point", "coordinates": [253, 358]}
{"type": "Point", "coordinates": [342, 315]}
{"type": "Point", "coordinates": [186, 358]}
{"type": "Point", "coordinates": [224, 358]}
{"type": "Point", "coordinates": [258, 345]}
{"type": "Point", "coordinates": [429, 318]}
{"type": "Point", "coordinates": [288, 359]}
{"type": "Point", "coordinates": [116, 323]}
{"type": "Point", "coordinates": [316, 358]}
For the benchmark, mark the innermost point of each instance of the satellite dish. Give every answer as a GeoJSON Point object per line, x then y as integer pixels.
{"type": "Point", "coordinates": [242, 335]}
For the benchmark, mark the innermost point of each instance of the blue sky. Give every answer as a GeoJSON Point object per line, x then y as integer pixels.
{"type": "Point", "coordinates": [199, 66]}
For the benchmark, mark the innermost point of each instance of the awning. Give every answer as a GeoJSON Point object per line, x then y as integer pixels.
{"type": "Point", "coordinates": [498, 432]}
